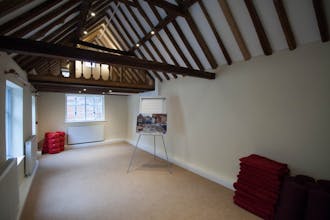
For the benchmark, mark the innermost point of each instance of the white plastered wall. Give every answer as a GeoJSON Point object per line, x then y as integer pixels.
{"type": "Point", "coordinates": [276, 106]}
{"type": "Point", "coordinates": [6, 64]}
{"type": "Point", "coordinates": [51, 115]}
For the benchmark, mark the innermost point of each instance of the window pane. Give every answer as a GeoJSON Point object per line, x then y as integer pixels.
{"type": "Point", "coordinates": [80, 109]}
{"type": "Point", "coordinates": [90, 114]}
{"type": "Point", "coordinates": [70, 100]}
{"type": "Point", "coordinates": [84, 108]}
{"type": "Point", "coordinates": [70, 113]}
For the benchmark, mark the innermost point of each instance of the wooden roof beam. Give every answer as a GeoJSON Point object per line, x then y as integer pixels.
{"type": "Point", "coordinates": [65, 28]}
{"type": "Point", "coordinates": [87, 44]}
{"type": "Point", "coordinates": [160, 55]}
{"type": "Point", "coordinates": [168, 7]}
{"type": "Point", "coordinates": [10, 6]}
{"type": "Point", "coordinates": [41, 33]}
{"type": "Point", "coordinates": [263, 39]}
{"type": "Point", "coordinates": [39, 48]}
{"type": "Point", "coordinates": [163, 23]}
{"type": "Point", "coordinates": [234, 28]}
{"type": "Point", "coordinates": [84, 7]}
{"type": "Point", "coordinates": [91, 89]}
{"type": "Point", "coordinates": [132, 41]}
{"type": "Point", "coordinates": [160, 39]}
{"type": "Point", "coordinates": [125, 41]}
{"type": "Point", "coordinates": [198, 35]}
{"type": "Point", "coordinates": [43, 19]}
{"type": "Point", "coordinates": [170, 36]}
{"type": "Point", "coordinates": [215, 32]}
{"type": "Point", "coordinates": [86, 82]}
{"type": "Point", "coordinates": [25, 17]}
{"type": "Point", "coordinates": [127, 2]}
{"type": "Point", "coordinates": [285, 24]}
{"type": "Point", "coordinates": [321, 19]}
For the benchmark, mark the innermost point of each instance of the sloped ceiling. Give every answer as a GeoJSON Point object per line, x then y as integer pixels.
{"type": "Point", "coordinates": [194, 34]}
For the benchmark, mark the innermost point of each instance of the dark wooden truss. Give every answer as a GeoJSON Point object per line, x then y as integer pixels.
{"type": "Point", "coordinates": [130, 35]}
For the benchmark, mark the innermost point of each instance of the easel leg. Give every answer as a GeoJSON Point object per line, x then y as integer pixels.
{"type": "Point", "coordinates": [154, 147]}
{"type": "Point", "coordinates": [130, 163]}
{"type": "Point", "coordinates": [168, 162]}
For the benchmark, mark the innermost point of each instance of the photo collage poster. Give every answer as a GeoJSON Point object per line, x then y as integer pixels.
{"type": "Point", "coordinates": [151, 123]}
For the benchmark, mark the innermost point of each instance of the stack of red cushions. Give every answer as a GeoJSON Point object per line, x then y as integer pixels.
{"type": "Point", "coordinates": [258, 185]}
{"type": "Point", "coordinates": [54, 142]}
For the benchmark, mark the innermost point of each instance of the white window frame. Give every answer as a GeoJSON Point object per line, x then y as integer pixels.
{"type": "Point", "coordinates": [84, 95]}
{"type": "Point", "coordinates": [14, 121]}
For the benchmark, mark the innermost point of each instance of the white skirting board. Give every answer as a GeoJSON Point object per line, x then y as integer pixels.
{"type": "Point", "coordinates": [111, 141]}
{"type": "Point", "coordinates": [85, 134]}
{"type": "Point", "coordinates": [226, 182]}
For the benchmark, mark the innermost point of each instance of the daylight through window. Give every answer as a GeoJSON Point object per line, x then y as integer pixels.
{"type": "Point", "coordinates": [80, 108]}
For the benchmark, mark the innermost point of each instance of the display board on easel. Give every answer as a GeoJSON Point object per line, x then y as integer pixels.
{"type": "Point", "coordinates": [152, 117]}
{"type": "Point", "coordinates": [151, 120]}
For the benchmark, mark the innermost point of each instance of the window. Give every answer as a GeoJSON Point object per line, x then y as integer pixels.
{"type": "Point", "coordinates": [80, 108]}
{"type": "Point", "coordinates": [34, 120]}
{"type": "Point", "coordinates": [14, 120]}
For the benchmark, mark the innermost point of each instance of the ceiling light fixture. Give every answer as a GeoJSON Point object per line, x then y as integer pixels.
{"type": "Point", "coordinates": [93, 14]}
{"type": "Point", "coordinates": [85, 32]}
{"type": "Point", "coordinates": [137, 45]}
{"type": "Point", "coordinates": [152, 33]}
{"type": "Point", "coordinates": [85, 90]}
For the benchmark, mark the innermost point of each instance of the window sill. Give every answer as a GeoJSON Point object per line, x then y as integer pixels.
{"type": "Point", "coordinates": [20, 159]}
{"type": "Point", "coordinates": [72, 122]}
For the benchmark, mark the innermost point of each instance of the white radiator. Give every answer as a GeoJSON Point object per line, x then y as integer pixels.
{"type": "Point", "coordinates": [85, 134]}
{"type": "Point", "coordinates": [9, 196]}
{"type": "Point", "coordinates": [31, 147]}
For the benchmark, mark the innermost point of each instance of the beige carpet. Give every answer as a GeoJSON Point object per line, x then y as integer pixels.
{"type": "Point", "coordinates": [92, 183]}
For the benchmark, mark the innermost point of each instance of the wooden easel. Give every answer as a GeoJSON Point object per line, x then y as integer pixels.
{"type": "Point", "coordinates": [136, 146]}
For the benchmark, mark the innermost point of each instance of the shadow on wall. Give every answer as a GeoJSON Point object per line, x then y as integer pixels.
{"type": "Point", "coordinates": [176, 139]}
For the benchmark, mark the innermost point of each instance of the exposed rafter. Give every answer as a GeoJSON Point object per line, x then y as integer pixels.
{"type": "Point", "coordinates": [9, 6]}
{"type": "Point", "coordinates": [215, 32]}
{"type": "Point", "coordinates": [25, 17]}
{"type": "Point", "coordinates": [38, 48]}
{"type": "Point", "coordinates": [168, 7]}
{"type": "Point", "coordinates": [259, 28]}
{"type": "Point", "coordinates": [234, 28]}
{"type": "Point", "coordinates": [87, 44]}
{"type": "Point", "coordinates": [321, 19]}
{"type": "Point", "coordinates": [170, 36]}
{"type": "Point", "coordinates": [43, 19]}
{"type": "Point", "coordinates": [285, 24]}
{"type": "Point", "coordinates": [84, 7]}
{"type": "Point", "coordinates": [164, 33]}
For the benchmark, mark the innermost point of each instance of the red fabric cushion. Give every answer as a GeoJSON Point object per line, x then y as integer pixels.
{"type": "Point", "coordinates": [54, 150]}
{"type": "Point", "coordinates": [265, 164]}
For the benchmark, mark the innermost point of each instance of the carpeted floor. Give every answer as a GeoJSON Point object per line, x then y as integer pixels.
{"type": "Point", "coordinates": [92, 183]}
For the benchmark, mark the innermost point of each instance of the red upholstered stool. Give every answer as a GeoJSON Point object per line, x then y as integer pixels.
{"type": "Point", "coordinates": [54, 142]}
